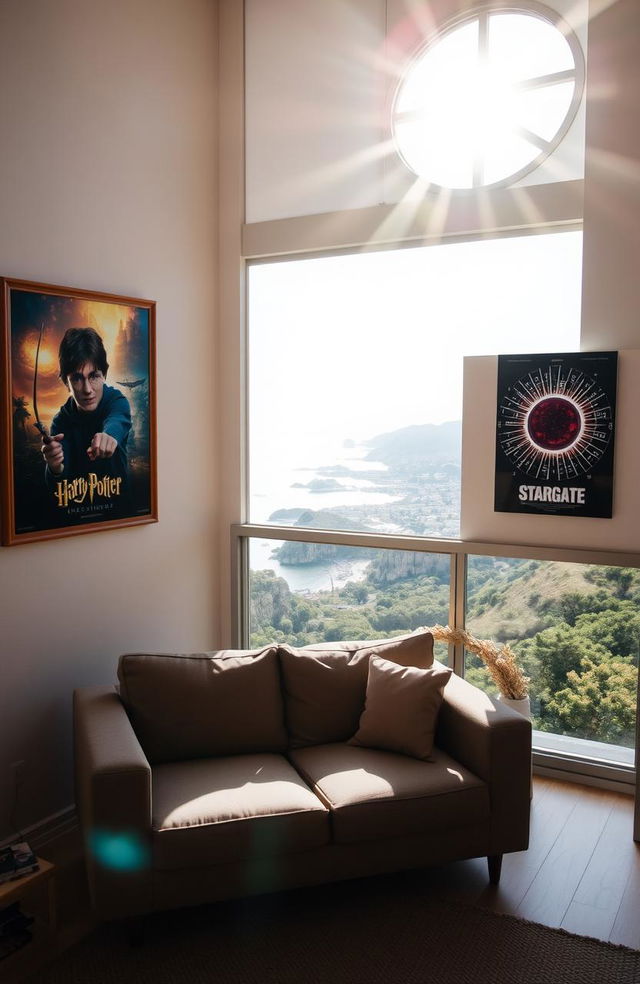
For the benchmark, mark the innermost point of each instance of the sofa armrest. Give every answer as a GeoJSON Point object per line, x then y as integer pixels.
{"type": "Point", "coordinates": [494, 742]}
{"type": "Point", "coordinates": [113, 798]}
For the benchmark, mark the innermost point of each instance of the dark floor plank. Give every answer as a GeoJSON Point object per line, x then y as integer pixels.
{"type": "Point", "coordinates": [587, 920]}
{"type": "Point", "coordinates": [605, 878]}
{"type": "Point", "coordinates": [626, 928]}
{"type": "Point", "coordinates": [597, 899]}
{"type": "Point", "coordinates": [550, 811]}
{"type": "Point", "coordinates": [517, 877]}
{"type": "Point", "coordinates": [554, 886]}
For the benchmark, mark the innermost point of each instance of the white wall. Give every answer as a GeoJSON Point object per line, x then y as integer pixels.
{"type": "Point", "coordinates": [611, 282]}
{"type": "Point", "coordinates": [309, 147]}
{"type": "Point", "coordinates": [107, 182]}
{"type": "Point", "coordinates": [320, 81]}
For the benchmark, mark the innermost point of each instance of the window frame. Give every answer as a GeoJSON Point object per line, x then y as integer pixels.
{"type": "Point", "coordinates": [483, 12]}
{"type": "Point", "coordinates": [496, 212]}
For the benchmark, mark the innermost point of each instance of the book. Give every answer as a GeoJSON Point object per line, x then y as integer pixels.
{"type": "Point", "coordinates": [16, 861]}
{"type": "Point", "coordinates": [7, 864]}
{"type": "Point", "coordinates": [24, 859]}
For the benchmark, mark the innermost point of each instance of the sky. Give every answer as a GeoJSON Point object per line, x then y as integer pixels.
{"type": "Point", "coordinates": [355, 345]}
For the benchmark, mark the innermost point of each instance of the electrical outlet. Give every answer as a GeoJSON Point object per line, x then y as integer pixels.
{"type": "Point", "coordinates": [17, 772]}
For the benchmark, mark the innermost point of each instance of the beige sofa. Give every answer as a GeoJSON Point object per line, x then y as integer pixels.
{"type": "Point", "coordinates": [215, 775]}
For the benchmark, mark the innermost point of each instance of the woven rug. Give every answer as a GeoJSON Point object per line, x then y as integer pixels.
{"type": "Point", "coordinates": [376, 931]}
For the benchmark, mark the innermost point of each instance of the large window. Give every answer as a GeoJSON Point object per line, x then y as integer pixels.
{"type": "Point", "coordinates": [380, 252]}
{"type": "Point", "coordinates": [356, 370]}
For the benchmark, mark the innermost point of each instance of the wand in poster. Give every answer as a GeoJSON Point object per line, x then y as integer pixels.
{"type": "Point", "coordinates": [38, 423]}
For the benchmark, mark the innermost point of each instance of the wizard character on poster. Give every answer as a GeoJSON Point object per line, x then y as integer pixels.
{"type": "Point", "coordinates": [80, 424]}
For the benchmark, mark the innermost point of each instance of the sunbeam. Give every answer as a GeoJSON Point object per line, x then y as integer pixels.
{"type": "Point", "coordinates": [339, 170]}
{"type": "Point", "coordinates": [432, 211]}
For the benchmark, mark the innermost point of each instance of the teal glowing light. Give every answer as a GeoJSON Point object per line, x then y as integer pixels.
{"type": "Point", "coordinates": [120, 851]}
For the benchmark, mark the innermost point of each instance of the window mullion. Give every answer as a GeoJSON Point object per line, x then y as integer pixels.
{"type": "Point", "coordinates": [457, 615]}
{"type": "Point", "coordinates": [240, 592]}
{"type": "Point", "coordinates": [483, 60]}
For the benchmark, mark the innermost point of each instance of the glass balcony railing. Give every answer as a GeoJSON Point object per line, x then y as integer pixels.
{"type": "Point", "coordinates": [576, 631]}
{"type": "Point", "coordinates": [575, 628]}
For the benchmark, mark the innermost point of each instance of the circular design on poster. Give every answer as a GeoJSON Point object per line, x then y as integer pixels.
{"type": "Point", "coordinates": [555, 423]}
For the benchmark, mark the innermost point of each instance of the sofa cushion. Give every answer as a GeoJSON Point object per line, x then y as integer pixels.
{"type": "Point", "coordinates": [324, 689]}
{"type": "Point", "coordinates": [374, 794]}
{"type": "Point", "coordinates": [232, 808]}
{"type": "Point", "coordinates": [401, 708]}
{"type": "Point", "coordinates": [201, 704]}
{"type": "Point", "coordinates": [353, 645]}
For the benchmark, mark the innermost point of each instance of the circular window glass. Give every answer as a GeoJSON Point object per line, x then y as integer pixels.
{"type": "Point", "coordinates": [489, 98]}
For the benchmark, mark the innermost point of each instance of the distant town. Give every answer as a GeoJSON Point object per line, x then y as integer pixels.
{"type": "Point", "coordinates": [422, 470]}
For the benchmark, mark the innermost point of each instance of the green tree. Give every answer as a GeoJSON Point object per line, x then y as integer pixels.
{"type": "Point", "coordinates": [573, 604]}
{"type": "Point", "coordinates": [622, 579]}
{"type": "Point", "coordinates": [348, 625]}
{"type": "Point", "coordinates": [599, 703]}
{"type": "Point", "coordinates": [270, 601]}
{"type": "Point", "coordinates": [301, 614]}
{"type": "Point", "coordinates": [617, 629]}
{"type": "Point", "coordinates": [361, 593]}
{"type": "Point", "coordinates": [553, 653]}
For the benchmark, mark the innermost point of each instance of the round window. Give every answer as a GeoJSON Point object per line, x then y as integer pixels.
{"type": "Point", "coordinates": [489, 98]}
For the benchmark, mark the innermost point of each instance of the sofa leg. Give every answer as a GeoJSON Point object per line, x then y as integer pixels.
{"type": "Point", "coordinates": [495, 867]}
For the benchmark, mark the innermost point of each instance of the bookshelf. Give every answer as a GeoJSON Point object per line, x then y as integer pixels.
{"type": "Point", "coordinates": [15, 891]}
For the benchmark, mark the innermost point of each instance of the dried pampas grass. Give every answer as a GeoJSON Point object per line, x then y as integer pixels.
{"type": "Point", "coordinates": [499, 660]}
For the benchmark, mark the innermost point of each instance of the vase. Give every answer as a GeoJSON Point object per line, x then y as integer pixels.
{"type": "Point", "coordinates": [522, 706]}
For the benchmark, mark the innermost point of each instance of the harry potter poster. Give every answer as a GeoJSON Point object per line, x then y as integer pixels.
{"type": "Point", "coordinates": [78, 412]}
{"type": "Point", "coordinates": [555, 433]}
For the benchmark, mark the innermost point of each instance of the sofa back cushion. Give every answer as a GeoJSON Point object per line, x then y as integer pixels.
{"type": "Point", "coordinates": [195, 705]}
{"type": "Point", "coordinates": [325, 685]}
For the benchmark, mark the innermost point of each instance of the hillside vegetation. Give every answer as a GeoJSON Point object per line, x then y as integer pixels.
{"type": "Point", "coordinates": [575, 628]}
{"type": "Point", "coordinates": [514, 603]}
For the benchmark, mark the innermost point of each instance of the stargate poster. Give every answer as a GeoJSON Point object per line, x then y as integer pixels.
{"type": "Point", "coordinates": [78, 412]}
{"type": "Point", "coordinates": [555, 433]}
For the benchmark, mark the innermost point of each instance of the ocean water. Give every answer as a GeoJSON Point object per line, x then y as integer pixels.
{"type": "Point", "coordinates": [272, 487]}
{"type": "Point", "coordinates": [273, 480]}
{"type": "Point", "coordinates": [304, 578]}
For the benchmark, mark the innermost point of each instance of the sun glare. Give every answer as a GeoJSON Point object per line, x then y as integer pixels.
{"type": "Point", "coordinates": [489, 99]}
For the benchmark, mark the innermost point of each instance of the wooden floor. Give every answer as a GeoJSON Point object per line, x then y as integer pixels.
{"type": "Point", "coordinates": [581, 872]}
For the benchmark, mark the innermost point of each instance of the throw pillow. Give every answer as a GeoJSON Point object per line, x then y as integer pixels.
{"type": "Point", "coordinates": [324, 690]}
{"type": "Point", "coordinates": [401, 709]}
